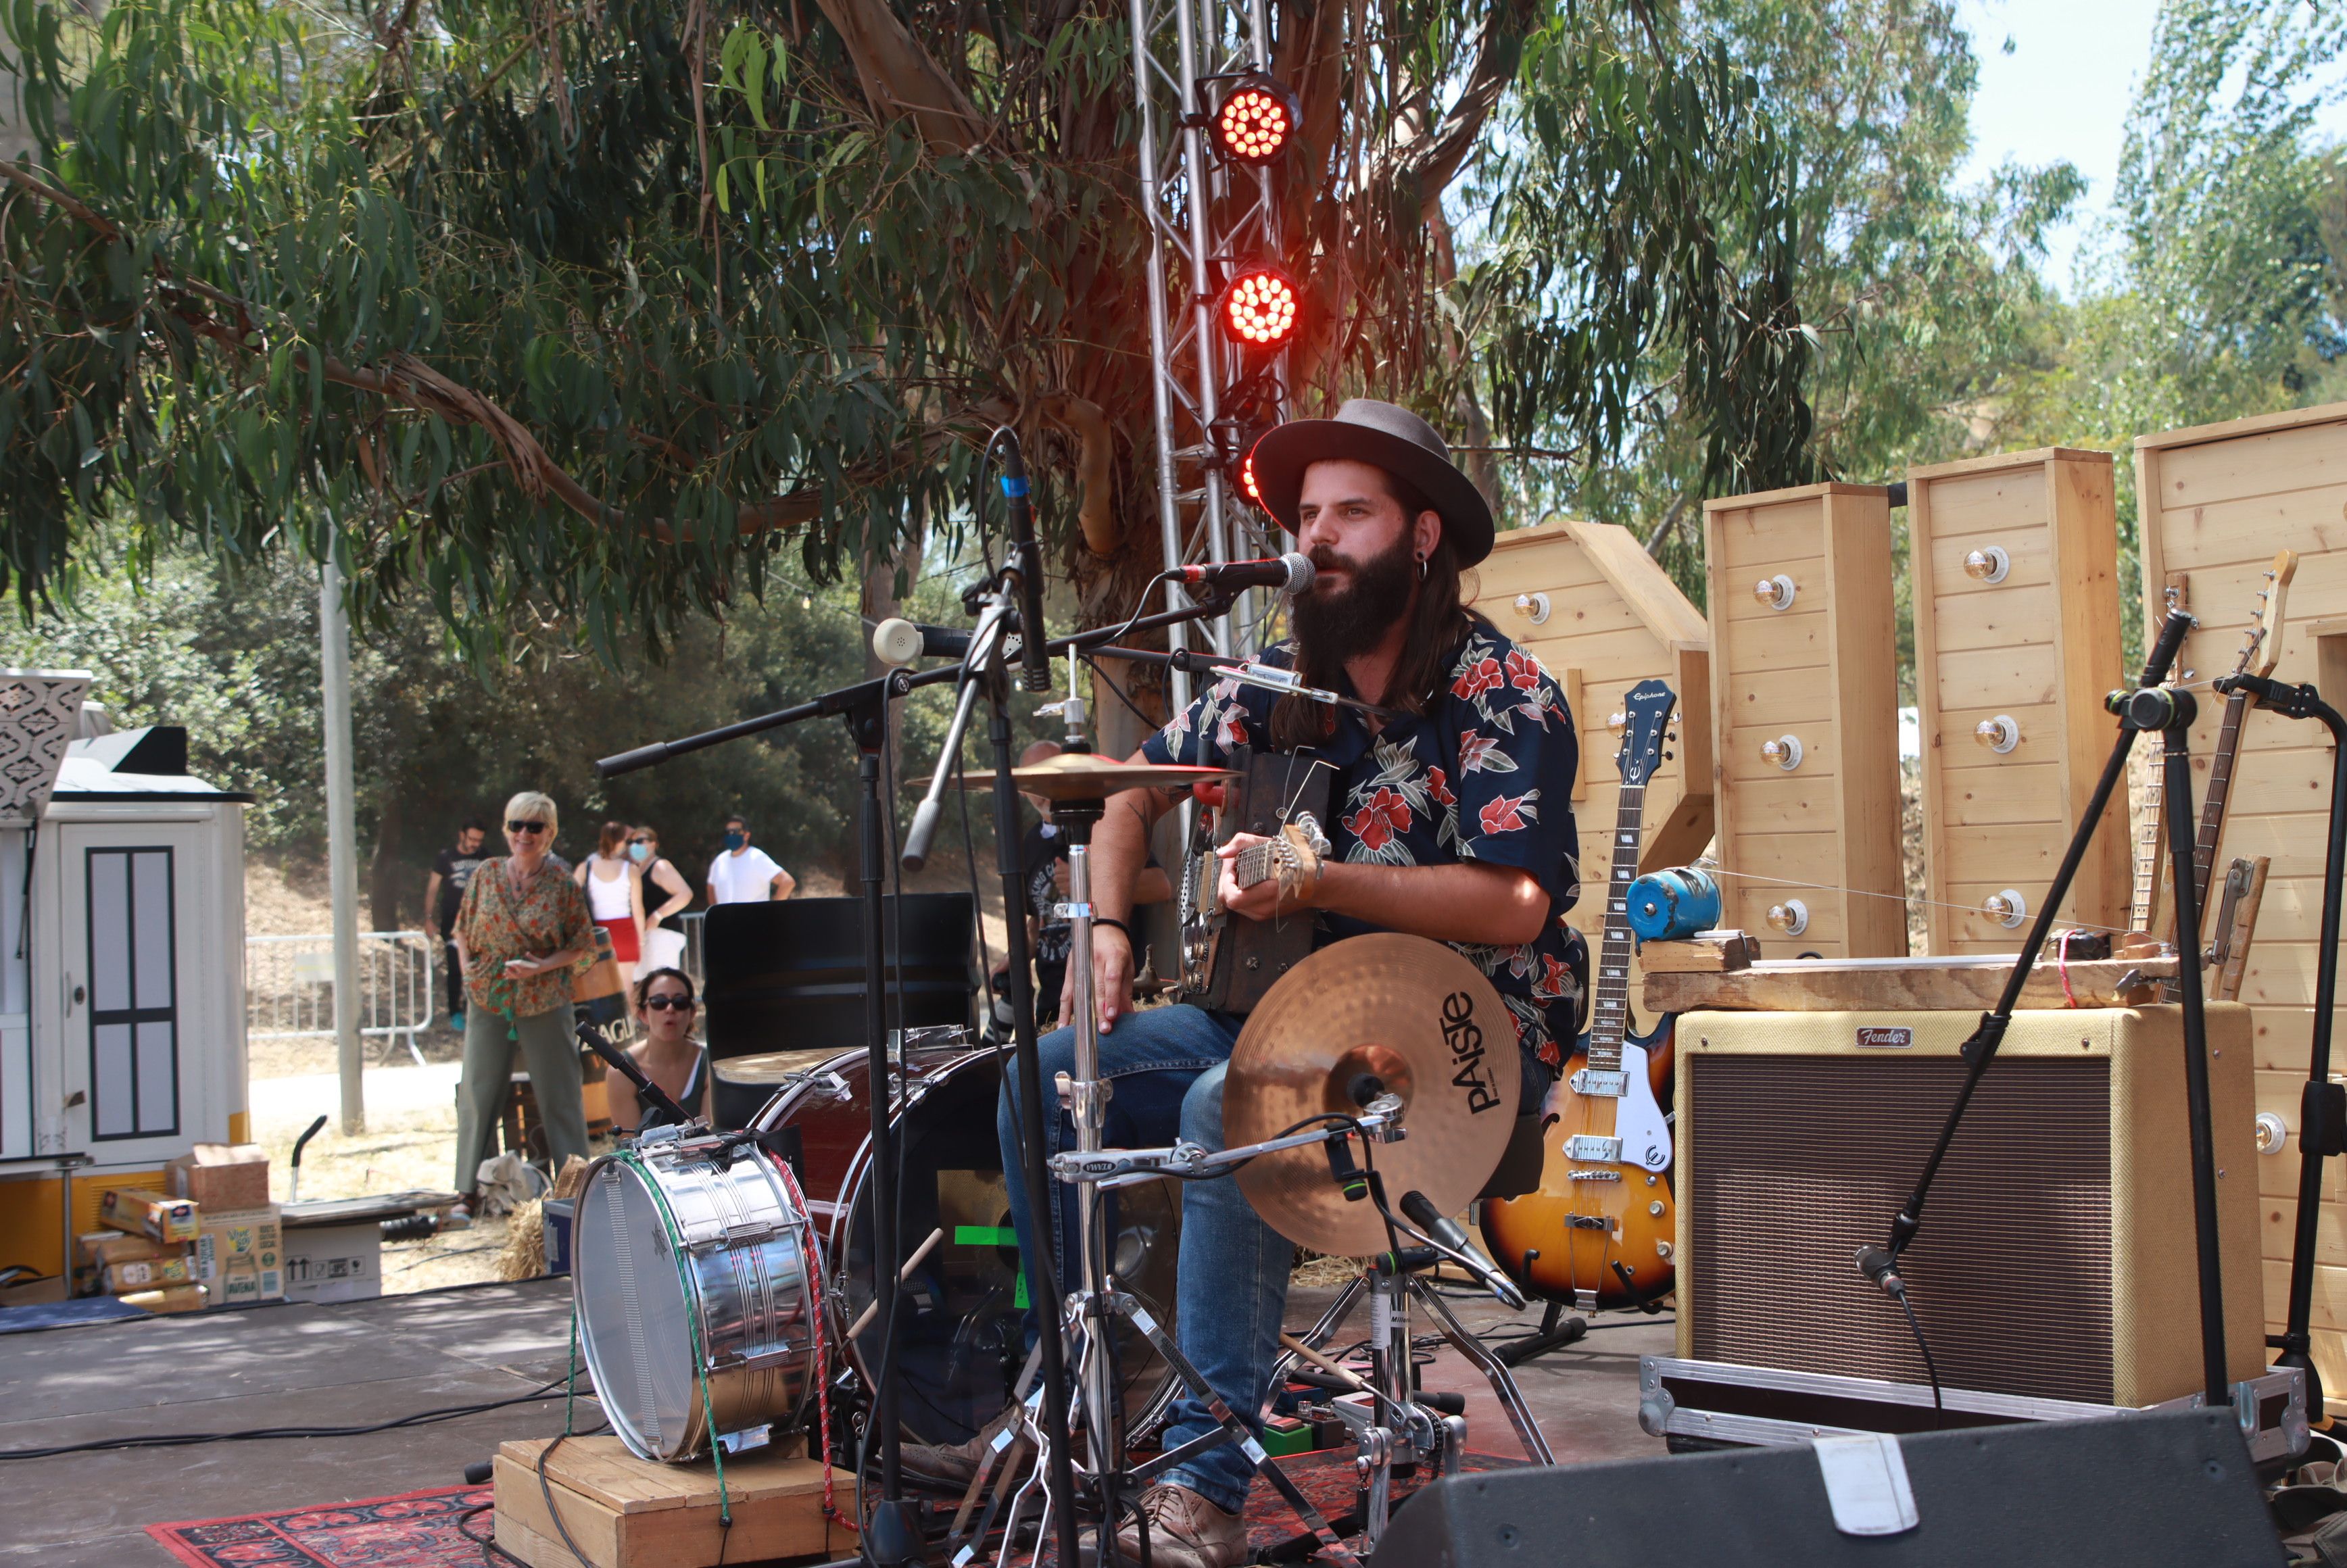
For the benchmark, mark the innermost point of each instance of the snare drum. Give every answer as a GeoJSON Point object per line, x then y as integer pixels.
{"type": "Point", "coordinates": [963, 1334]}
{"type": "Point", "coordinates": [691, 1276]}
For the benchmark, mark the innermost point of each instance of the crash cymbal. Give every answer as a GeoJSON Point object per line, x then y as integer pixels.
{"type": "Point", "coordinates": [1426, 1024]}
{"type": "Point", "coordinates": [1088, 776]}
{"type": "Point", "coordinates": [773, 1067]}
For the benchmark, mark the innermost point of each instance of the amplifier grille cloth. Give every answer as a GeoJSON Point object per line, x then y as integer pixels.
{"type": "Point", "coordinates": [1797, 1162]}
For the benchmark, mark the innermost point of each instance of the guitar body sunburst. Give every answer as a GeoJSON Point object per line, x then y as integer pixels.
{"type": "Point", "coordinates": [1595, 1220]}
{"type": "Point", "coordinates": [1601, 1229]}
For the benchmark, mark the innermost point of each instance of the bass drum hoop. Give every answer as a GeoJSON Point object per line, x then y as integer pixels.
{"type": "Point", "coordinates": [732, 1392]}
{"type": "Point", "coordinates": [1140, 1421]}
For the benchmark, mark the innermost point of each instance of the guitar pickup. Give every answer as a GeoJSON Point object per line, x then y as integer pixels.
{"type": "Point", "coordinates": [1589, 1081]}
{"type": "Point", "coordinates": [1585, 1147]}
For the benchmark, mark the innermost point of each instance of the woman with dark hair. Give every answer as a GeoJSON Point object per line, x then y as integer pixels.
{"type": "Point", "coordinates": [615, 896]}
{"type": "Point", "coordinates": [665, 1049]}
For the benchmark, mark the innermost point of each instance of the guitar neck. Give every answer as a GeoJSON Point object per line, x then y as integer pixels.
{"type": "Point", "coordinates": [2149, 838]}
{"type": "Point", "coordinates": [1610, 1004]}
{"type": "Point", "coordinates": [1255, 863]}
{"type": "Point", "coordinates": [2212, 803]}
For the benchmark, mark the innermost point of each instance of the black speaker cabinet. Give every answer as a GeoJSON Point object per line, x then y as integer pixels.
{"type": "Point", "coordinates": [2169, 1490]}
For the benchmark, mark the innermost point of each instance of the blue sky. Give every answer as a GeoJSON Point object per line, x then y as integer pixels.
{"type": "Point", "coordinates": [2062, 93]}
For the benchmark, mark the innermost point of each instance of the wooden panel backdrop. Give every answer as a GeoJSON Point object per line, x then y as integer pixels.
{"type": "Point", "coordinates": [1614, 618]}
{"type": "Point", "coordinates": [1824, 671]}
{"type": "Point", "coordinates": [2040, 647]}
{"type": "Point", "coordinates": [2215, 502]}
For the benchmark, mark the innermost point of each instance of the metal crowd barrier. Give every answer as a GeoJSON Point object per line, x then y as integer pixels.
{"type": "Point", "coordinates": [289, 987]}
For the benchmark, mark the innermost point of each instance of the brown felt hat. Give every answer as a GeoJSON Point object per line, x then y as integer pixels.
{"type": "Point", "coordinates": [1388, 437]}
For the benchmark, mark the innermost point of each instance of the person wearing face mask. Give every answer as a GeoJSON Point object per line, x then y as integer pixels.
{"type": "Point", "coordinates": [614, 886]}
{"type": "Point", "coordinates": [665, 1049]}
{"type": "Point", "coordinates": [745, 875]}
{"type": "Point", "coordinates": [664, 920]}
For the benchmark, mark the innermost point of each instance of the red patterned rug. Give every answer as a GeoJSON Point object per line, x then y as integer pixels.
{"type": "Point", "coordinates": [445, 1528]}
{"type": "Point", "coordinates": [413, 1529]}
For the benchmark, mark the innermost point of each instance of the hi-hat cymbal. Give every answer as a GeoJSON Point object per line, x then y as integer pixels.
{"type": "Point", "coordinates": [1088, 776]}
{"type": "Point", "coordinates": [1422, 1019]}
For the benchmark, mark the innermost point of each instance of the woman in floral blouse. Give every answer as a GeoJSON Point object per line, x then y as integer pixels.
{"type": "Point", "coordinates": [522, 931]}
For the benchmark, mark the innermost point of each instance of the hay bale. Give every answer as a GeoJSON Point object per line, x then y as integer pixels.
{"type": "Point", "coordinates": [524, 1257]}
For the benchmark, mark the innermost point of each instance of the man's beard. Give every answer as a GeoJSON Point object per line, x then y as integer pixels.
{"type": "Point", "coordinates": [1331, 628]}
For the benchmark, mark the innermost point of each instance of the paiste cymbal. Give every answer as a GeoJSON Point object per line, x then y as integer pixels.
{"type": "Point", "coordinates": [1428, 1024]}
{"type": "Point", "coordinates": [1088, 776]}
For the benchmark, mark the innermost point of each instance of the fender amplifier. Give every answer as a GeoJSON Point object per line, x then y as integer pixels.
{"type": "Point", "coordinates": [2056, 1260]}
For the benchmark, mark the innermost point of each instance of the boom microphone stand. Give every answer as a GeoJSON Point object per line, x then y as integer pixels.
{"type": "Point", "coordinates": [2150, 706]}
{"type": "Point", "coordinates": [2322, 1107]}
{"type": "Point", "coordinates": [892, 1538]}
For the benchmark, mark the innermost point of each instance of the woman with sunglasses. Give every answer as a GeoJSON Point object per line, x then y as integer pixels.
{"type": "Point", "coordinates": [665, 1049]}
{"type": "Point", "coordinates": [521, 933]}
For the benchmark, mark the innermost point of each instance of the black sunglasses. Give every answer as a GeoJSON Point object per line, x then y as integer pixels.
{"type": "Point", "coordinates": [662, 1004]}
{"type": "Point", "coordinates": [525, 827]}
{"type": "Point", "coordinates": [640, 841]}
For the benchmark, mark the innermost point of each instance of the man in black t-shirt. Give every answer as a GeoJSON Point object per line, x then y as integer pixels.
{"type": "Point", "coordinates": [451, 870]}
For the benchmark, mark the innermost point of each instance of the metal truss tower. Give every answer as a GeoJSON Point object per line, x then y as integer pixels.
{"type": "Point", "coordinates": [1205, 213]}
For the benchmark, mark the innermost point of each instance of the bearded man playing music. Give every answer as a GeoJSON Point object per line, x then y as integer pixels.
{"type": "Point", "coordinates": [1452, 820]}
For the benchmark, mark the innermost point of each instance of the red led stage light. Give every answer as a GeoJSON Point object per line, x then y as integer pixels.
{"type": "Point", "coordinates": [1257, 120]}
{"type": "Point", "coordinates": [1258, 308]}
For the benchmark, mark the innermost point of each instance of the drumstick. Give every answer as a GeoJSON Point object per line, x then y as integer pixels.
{"type": "Point", "coordinates": [1291, 1342]}
{"type": "Point", "coordinates": [902, 1275]}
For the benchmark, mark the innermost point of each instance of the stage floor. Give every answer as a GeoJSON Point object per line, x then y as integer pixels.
{"type": "Point", "coordinates": [361, 1362]}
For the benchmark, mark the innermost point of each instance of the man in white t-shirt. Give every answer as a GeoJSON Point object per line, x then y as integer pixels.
{"type": "Point", "coordinates": [746, 875]}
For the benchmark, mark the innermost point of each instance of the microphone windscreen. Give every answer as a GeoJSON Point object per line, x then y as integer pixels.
{"type": "Point", "coordinates": [1300, 573]}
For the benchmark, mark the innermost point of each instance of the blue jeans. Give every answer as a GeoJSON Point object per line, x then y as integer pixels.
{"type": "Point", "coordinates": [1167, 1068]}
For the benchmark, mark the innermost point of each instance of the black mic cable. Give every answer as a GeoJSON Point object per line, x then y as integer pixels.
{"type": "Point", "coordinates": [1882, 1266]}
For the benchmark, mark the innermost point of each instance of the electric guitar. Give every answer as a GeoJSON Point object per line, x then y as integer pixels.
{"type": "Point", "coordinates": [2261, 652]}
{"type": "Point", "coordinates": [1227, 966]}
{"type": "Point", "coordinates": [1600, 1231]}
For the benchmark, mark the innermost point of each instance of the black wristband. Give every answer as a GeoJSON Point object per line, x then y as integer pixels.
{"type": "Point", "coordinates": [1118, 925]}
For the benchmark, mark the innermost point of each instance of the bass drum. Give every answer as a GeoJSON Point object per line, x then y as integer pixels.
{"type": "Point", "coordinates": [963, 1315]}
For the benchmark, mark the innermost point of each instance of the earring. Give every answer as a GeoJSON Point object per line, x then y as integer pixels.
{"type": "Point", "coordinates": [1423, 568]}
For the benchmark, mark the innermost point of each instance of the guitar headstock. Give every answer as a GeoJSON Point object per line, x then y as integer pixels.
{"type": "Point", "coordinates": [1297, 853]}
{"type": "Point", "coordinates": [2261, 644]}
{"type": "Point", "coordinates": [1645, 717]}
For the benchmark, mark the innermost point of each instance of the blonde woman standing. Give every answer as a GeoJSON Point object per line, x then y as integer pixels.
{"type": "Point", "coordinates": [521, 933]}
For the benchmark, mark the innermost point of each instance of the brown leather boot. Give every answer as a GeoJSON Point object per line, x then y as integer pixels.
{"type": "Point", "coordinates": [1185, 1531]}
{"type": "Point", "coordinates": [957, 1464]}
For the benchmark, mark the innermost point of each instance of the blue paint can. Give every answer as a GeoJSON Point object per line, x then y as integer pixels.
{"type": "Point", "coordinates": [1673, 904]}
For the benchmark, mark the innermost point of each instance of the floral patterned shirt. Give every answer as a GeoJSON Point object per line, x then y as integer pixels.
{"type": "Point", "coordinates": [1486, 774]}
{"type": "Point", "coordinates": [495, 924]}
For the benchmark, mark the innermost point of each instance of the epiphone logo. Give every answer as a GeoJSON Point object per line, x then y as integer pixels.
{"type": "Point", "coordinates": [1885, 1039]}
{"type": "Point", "coordinates": [1465, 1036]}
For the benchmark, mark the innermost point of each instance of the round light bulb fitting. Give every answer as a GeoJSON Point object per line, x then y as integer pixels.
{"type": "Point", "coordinates": [1988, 564]}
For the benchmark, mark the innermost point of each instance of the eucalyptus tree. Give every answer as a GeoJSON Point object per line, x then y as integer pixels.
{"type": "Point", "coordinates": [584, 313]}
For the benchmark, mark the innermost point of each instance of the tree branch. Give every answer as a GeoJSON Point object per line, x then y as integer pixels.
{"type": "Point", "coordinates": [1435, 158]}
{"type": "Point", "coordinates": [900, 78]}
{"type": "Point", "coordinates": [402, 379]}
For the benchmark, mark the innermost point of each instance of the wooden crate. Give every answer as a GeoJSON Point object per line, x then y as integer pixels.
{"type": "Point", "coordinates": [1823, 670]}
{"type": "Point", "coordinates": [2215, 502]}
{"type": "Point", "coordinates": [2029, 655]}
{"type": "Point", "coordinates": [1610, 619]}
{"type": "Point", "coordinates": [626, 1514]}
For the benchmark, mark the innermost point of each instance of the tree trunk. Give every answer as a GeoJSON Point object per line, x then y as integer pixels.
{"type": "Point", "coordinates": [383, 872]}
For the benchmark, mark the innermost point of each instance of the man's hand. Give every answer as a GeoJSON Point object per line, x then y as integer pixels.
{"type": "Point", "coordinates": [1112, 978]}
{"type": "Point", "coordinates": [1059, 877]}
{"type": "Point", "coordinates": [1263, 900]}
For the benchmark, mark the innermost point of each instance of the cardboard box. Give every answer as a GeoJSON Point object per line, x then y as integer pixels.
{"type": "Point", "coordinates": [144, 1273]}
{"type": "Point", "coordinates": [334, 1263]}
{"type": "Point", "coordinates": [242, 1256]}
{"type": "Point", "coordinates": [153, 1215]}
{"type": "Point", "coordinates": [169, 1299]}
{"type": "Point", "coordinates": [221, 1177]}
{"type": "Point", "coordinates": [95, 1249]}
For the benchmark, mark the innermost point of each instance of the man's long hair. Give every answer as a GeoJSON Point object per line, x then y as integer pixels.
{"type": "Point", "coordinates": [1438, 626]}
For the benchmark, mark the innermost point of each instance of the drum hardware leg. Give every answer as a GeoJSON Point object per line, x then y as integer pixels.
{"type": "Point", "coordinates": [1504, 1382]}
{"type": "Point", "coordinates": [1556, 1330]}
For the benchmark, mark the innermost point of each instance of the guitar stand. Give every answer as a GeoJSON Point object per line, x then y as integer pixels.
{"type": "Point", "coordinates": [1556, 1331]}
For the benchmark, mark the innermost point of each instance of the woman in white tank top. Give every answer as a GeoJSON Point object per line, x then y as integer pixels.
{"type": "Point", "coordinates": [615, 897]}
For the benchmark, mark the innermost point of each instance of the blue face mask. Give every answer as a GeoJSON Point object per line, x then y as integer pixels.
{"type": "Point", "coordinates": [639, 852]}
{"type": "Point", "coordinates": [736, 840]}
